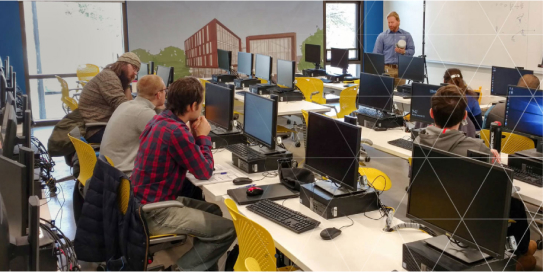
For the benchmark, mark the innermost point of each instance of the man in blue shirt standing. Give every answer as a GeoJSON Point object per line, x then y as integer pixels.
{"type": "Point", "coordinates": [392, 43]}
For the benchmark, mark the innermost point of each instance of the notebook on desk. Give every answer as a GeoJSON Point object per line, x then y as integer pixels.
{"type": "Point", "coordinates": [271, 192]}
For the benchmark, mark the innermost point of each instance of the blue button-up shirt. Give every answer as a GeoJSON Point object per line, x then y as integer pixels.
{"type": "Point", "coordinates": [386, 43]}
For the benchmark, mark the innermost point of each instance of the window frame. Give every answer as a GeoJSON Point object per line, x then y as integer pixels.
{"type": "Point", "coordinates": [28, 77]}
{"type": "Point", "coordinates": [359, 29]}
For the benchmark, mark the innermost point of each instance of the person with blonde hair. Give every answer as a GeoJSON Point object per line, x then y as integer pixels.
{"type": "Point", "coordinates": [121, 138]}
{"type": "Point", "coordinates": [392, 43]}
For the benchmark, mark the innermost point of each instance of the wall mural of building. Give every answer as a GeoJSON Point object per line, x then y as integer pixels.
{"type": "Point", "coordinates": [234, 26]}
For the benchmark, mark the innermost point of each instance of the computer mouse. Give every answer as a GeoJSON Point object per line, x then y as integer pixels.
{"type": "Point", "coordinates": [254, 191]}
{"type": "Point", "coordinates": [242, 181]}
{"type": "Point", "coordinates": [330, 233]}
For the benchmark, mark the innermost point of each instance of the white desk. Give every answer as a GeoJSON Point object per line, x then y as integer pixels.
{"type": "Point", "coordinates": [380, 141]}
{"type": "Point", "coordinates": [528, 193]}
{"type": "Point", "coordinates": [294, 107]}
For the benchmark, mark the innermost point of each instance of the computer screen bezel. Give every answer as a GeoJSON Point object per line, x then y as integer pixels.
{"type": "Point", "coordinates": [515, 130]}
{"type": "Point", "coordinates": [307, 164]}
{"type": "Point", "coordinates": [21, 211]}
{"type": "Point", "coordinates": [168, 81]}
{"type": "Point", "coordinates": [144, 70]}
{"type": "Point", "coordinates": [292, 67]}
{"type": "Point", "coordinates": [230, 105]}
{"type": "Point", "coordinates": [368, 61]}
{"type": "Point", "coordinates": [442, 156]}
{"type": "Point", "coordinates": [493, 92]}
{"type": "Point", "coordinates": [361, 88]}
{"type": "Point", "coordinates": [413, 118]}
{"type": "Point", "coordinates": [250, 74]}
{"type": "Point", "coordinates": [259, 75]}
{"type": "Point", "coordinates": [228, 54]}
{"type": "Point", "coordinates": [335, 62]}
{"type": "Point", "coordinates": [403, 69]}
{"type": "Point", "coordinates": [313, 58]}
{"type": "Point", "coordinates": [274, 121]}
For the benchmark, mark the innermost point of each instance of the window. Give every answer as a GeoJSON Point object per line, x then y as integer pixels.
{"type": "Point", "coordinates": [60, 36]}
{"type": "Point", "coordinates": [343, 30]}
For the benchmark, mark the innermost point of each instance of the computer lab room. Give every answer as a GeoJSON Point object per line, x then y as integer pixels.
{"type": "Point", "coordinates": [271, 135]}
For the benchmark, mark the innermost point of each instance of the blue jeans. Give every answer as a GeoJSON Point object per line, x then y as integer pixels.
{"type": "Point", "coordinates": [213, 234]}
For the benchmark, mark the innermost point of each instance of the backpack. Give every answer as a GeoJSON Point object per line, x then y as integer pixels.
{"type": "Point", "coordinates": [59, 144]}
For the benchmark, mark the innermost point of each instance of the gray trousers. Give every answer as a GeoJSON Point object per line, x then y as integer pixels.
{"type": "Point", "coordinates": [213, 234]}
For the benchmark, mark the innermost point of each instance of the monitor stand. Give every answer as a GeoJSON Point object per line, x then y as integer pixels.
{"type": "Point", "coordinates": [332, 188]}
{"type": "Point", "coordinates": [221, 131]}
{"type": "Point", "coordinates": [268, 151]}
{"type": "Point", "coordinates": [468, 255]}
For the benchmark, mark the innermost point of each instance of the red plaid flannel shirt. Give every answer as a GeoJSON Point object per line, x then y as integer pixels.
{"type": "Point", "coordinates": [167, 151]}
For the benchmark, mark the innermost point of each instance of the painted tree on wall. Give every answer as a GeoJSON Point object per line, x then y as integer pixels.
{"type": "Point", "coordinates": [318, 39]}
{"type": "Point", "coordinates": [170, 56]}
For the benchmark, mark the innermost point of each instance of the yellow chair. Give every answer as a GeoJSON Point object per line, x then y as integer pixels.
{"type": "Point", "coordinates": [86, 72]}
{"type": "Point", "coordinates": [312, 89]}
{"type": "Point", "coordinates": [376, 178]}
{"type": "Point", "coordinates": [156, 242]}
{"type": "Point", "coordinates": [347, 101]}
{"type": "Point", "coordinates": [252, 264]}
{"type": "Point", "coordinates": [254, 242]}
{"type": "Point", "coordinates": [479, 93]}
{"type": "Point", "coordinates": [511, 142]}
{"type": "Point", "coordinates": [69, 104]}
{"type": "Point", "coordinates": [87, 159]}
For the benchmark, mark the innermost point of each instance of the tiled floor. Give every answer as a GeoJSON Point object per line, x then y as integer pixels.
{"type": "Point", "coordinates": [397, 169]}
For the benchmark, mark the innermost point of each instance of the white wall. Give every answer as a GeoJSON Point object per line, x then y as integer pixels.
{"type": "Point", "coordinates": [411, 14]}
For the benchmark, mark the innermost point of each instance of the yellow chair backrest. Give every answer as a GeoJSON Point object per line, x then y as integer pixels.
{"type": "Point", "coordinates": [203, 81]}
{"type": "Point", "coordinates": [376, 178]}
{"type": "Point", "coordinates": [87, 159]}
{"type": "Point", "coordinates": [347, 101]}
{"type": "Point", "coordinates": [263, 81]}
{"type": "Point", "coordinates": [305, 114]}
{"type": "Point", "coordinates": [479, 92]}
{"type": "Point", "coordinates": [253, 240]}
{"type": "Point", "coordinates": [511, 142]}
{"type": "Point", "coordinates": [65, 91]}
{"type": "Point", "coordinates": [308, 85]}
{"type": "Point", "coordinates": [123, 195]}
{"type": "Point", "coordinates": [252, 264]}
{"type": "Point", "coordinates": [87, 72]}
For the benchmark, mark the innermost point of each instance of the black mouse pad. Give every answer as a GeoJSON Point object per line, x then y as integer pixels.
{"type": "Point", "coordinates": [271, 192]}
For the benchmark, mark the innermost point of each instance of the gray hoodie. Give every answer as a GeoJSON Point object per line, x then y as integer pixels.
{"type": "Point", "coordinates": [453, 141]}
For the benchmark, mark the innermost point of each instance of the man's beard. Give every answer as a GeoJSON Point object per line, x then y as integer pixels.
{"type": "Point", "coordinates": [125, 80]}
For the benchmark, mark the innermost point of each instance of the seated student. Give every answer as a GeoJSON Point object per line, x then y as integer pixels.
{"type": "Point", "coordinates": [174, 142]}
{"type": "Point", "coordinates": [448, 110]}
{"type": "Point", "coordinates": [454, 76]}
{"type": "Point", "coordinates": [122, 135]}
{"type": "Point", "coordinates": [497, 112]}
{"type": "Point", "coordinates": [106, 91]}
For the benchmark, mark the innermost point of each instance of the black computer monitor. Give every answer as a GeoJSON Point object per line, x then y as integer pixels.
{"type": "Point", "coordinates": [421, 102]}
{"type": "Point", "coordinates": [9, 134]}
{"type": "Point", "coordinates": [26, 158]}
{"type": "Point", "coordinates": [332, 149]}
{"type": "Point", "coordinates": [446, 187]}
{"type": "Point", "coordinates": [523, 111]}
{"type": "Point", "coordinates": [224, 59]}
{"type": "Point", "coordinates": [374, 63]}
{"type": "Point", "coordinates": [12, 81]}
{"type": "Point", "coordinates": [3, 90]}
{"type": "Point", "coordinates": [219, 105]}
{"type": "Point", "coordinates": [260, 123]}
{"type": "Point", "coordinates": [285, 73]}
{"type": "Point", "coordinates": [166, 73]}
{"type": "Point", "coordinates": [245, 63]}
{"type": "Point", "coordinates": [376, 91]}
{"type": "Point", "coordinates": [14, 189]}
{"type": "Point", "coordinates": [144, 70]}
{"type": "Point", "coordinates": [263, 67]}
{"type": "Point", "coordinates": [6, 68]}
{"type": "Point", "coordinates": [5, 247]}
{"type": "Point", "coordinates": [411, 68]}
{"type": "Point", "coordinates": [151, 67]}
{"type": "Point", "coordinates": [27, 128]}
{"type": "Point", "coordinates": [313, 54]}
{"type": "Point", "coordinates": [503, 77]}
{"type": "Point", "coordinates": [339, 58]}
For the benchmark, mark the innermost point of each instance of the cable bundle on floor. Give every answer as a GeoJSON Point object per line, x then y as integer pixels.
{"type": "Point", "coordinates": [64, 248]}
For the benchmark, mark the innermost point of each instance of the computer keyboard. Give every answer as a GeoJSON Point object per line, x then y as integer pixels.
{"type": "Point", "coordinates": [245, 152]}
{"type": "Point", "coordinates": [530, 178]}
{"type": "Point", "coordinates": [402, 143]}
{"type": "Point", "coordinates": [283, 216]}
{"type": "Point", "coordinates": [328, 90]}
{"type": "Point", "coordinates": [404, 95]}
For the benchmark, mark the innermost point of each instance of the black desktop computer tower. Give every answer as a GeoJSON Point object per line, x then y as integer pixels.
{"type": "Point", "coordinates": [289, 96]}
{"type": "Point", "coordinates": [223, 78]}
{"type": "Point", "coordinates": [241, 83]}
{"type": "Point", "coordinates": [420, 256]}
{"type": "Point", "coordinates": [263, 165]}
{"type": "Point", "coordinates": [385, 122]}
{"type": "Point", "coordinates": [261, 89]}
{"type": "Point", "coordinates": [313, 72]}
{"type": "Point", "coordinates": [329, 206]}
